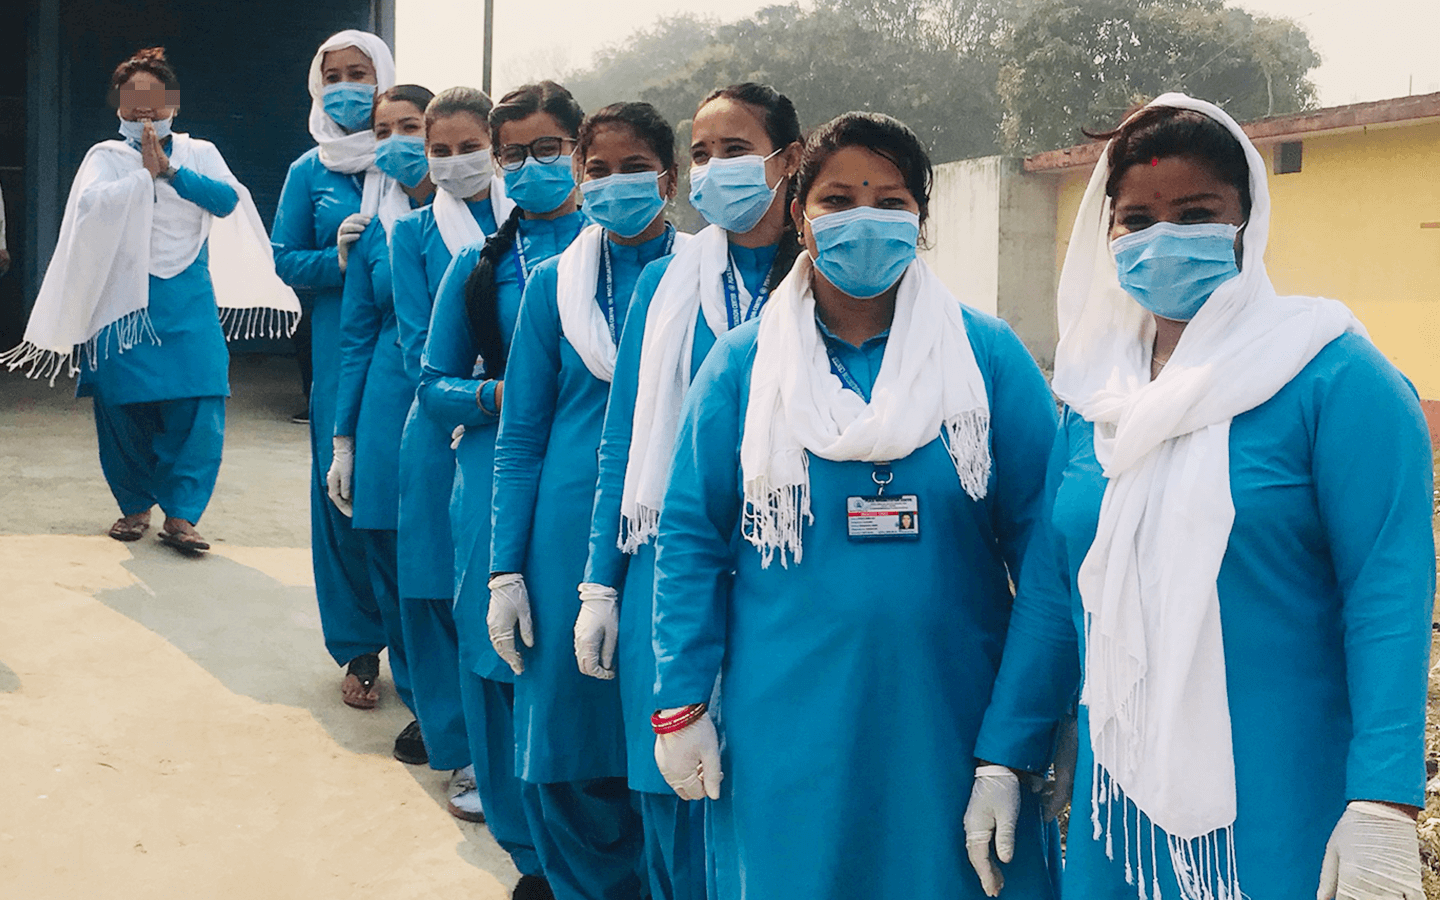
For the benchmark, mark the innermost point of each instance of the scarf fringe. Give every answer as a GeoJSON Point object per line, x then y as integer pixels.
{"type": "Point", "coordinates": [124, 333]}
{"type": "Point", "coordinates": [773, 518]}
{"type": "Point", "coordinates": [244, 323]}
{"type": "Point", "coordinates": [967, 438]}
{"type": "Point", "coordinates": [1204, 867]}
{"type": "Point", "coordinates": [637, 531]}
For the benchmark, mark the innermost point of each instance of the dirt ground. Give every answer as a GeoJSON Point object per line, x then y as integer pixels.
{"type": "Point", "coordinates": [172, 727]}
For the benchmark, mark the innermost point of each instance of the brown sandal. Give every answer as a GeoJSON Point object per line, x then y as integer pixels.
{"type": "Point", "coordinates": [129, 528]}
{"type": "Point", "coordinates": [365, 669]}
{"type": "Point", "coordinates": [189, 543]}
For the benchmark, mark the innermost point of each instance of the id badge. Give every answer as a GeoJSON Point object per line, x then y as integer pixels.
{"type": "Point", "coordinates": [894, 518]}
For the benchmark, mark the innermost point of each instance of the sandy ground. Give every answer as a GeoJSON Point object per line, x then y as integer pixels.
{"type": "Point", "coordinates": [172, 727]}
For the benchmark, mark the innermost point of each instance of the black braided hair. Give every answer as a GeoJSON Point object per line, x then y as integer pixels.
{"type": "Point", "coordinates": [480, 297]}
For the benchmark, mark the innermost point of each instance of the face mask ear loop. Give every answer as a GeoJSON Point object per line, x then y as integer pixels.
{"type": "Point", "coordinates": [1240, 245]}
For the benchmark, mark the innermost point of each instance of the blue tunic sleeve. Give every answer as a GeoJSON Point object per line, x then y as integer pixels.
{"type": "Point", "coordinates": [299, 261]}
{"type": "Point", "coordinates": [360, 320]}
{"type": "Point", "coordinates": [606, 564]}
{"type": "Point", "coordinates": [698, 531]}
{"type": "Point", "coordinates": [1375, 502]}
{"type": "Point", "coordinates": [531, 388]}
{"type": "Point", "coordinates": [1040, 669]}
{"type": "Point", "coordinates": [210, 194]}
{"type": "Point", "coordinates": [412, 289]}
{"type": "Point", "coordinates": [447, 365]}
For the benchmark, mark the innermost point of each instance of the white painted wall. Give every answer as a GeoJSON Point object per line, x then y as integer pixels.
{"type": "Point", "coordinates": [963, 231]}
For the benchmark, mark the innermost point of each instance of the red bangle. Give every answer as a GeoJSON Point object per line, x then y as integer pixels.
{"type": "Point", "coordinates": [686, 717]}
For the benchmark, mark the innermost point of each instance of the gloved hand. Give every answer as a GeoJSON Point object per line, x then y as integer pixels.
{"type": "Point", "coordinates": [596, 630]}
{"type": "Point", "coordinates": [342, 469]}
{"type": "Point", "coordinates": [993, 811]}
{"type": "Point", "coordinates": [689, 759]}
{"type": "Point", "coordinates": [349, 233]}
{"type": "Point", "coordinates": [509, 609]}
{"type": "Point", "coordinates": [1373, 854]}
{"type": "Point", "coordinates": [455, 437]}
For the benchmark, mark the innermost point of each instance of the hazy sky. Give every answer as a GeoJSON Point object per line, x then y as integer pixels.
{"type": "Point", "coordinates": [1371, 48]}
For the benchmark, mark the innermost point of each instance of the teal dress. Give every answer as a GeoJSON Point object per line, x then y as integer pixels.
{"type": "Point", "coordinates": [160, 406]}
{"type": "Point", "coordinates": [852, 684]}
{"type": "Point", "coordinates": [674, 829]}
{"type": "Point", "coordinates": [313, 203]}
{"type": "Point", "coordinates": [570, 746]}
{"type": "Point", "coordinates": [1326, 591]}
{"type": "Point", "coordinates": [449, 386]}
{"type": "Point", "coordinates": [419, 259]}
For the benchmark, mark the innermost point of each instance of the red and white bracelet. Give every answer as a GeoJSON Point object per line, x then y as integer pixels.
{"type": "Point", "coordinates": [687, 716]}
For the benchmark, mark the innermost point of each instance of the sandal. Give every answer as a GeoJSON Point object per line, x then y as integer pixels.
{"type": "Point", "coordinates": [365, 669]}
{"type": "Point", "coordinates": [187, 542]}
{"type": "Point", "coordinates": [130, 528]}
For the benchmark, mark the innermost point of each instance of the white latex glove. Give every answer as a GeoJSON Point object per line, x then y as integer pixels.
{"type": "Point", "coordinates": [509, 610]}
{"type": "Point", "coordinates": [596, 630]}
{"type": "Point", "coordinates": [689, 759]}
{"type": "Point", "coordinates": [455, 437]}
{"type": "Point", "coordinates": [1373, 854]}
{"type": "Point", "coordinates": [349, 233]}
{"type": "Point", "coordinates": [342, 469]}
{"type": "Point", "coordinates": [993, 812]}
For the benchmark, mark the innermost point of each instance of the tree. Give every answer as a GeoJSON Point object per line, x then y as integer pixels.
{"type": "Point", "coordinates": [1074, 65]}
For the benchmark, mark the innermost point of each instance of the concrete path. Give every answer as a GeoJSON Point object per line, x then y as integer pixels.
{"type": "Point", "coordinates": [172, 728]}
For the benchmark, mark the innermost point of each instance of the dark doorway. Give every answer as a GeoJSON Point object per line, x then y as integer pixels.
{"type": "Point", "coordinates": [12, 176]}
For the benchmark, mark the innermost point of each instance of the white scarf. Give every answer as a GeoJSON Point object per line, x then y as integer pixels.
{"type": "Point", "coordinates": [582, 321]}
{"type": "Point", "coordinates": [929, 386]}
{"type": "Point", "coordinates": [1154, 657]}
{"type": "Point", "coordinates": [351, 154]}
{"type": "Point", "coordinates": [120, 227]}
{"type": "Point", "coordinates": [457, 225]}
{"type": "Point", "coordinates": [692, 283]}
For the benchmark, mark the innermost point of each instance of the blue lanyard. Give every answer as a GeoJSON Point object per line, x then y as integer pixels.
{"type": "Point", "coordinates": [843, 372]}
{"type": "Point", "coordinates": [609, 302]}
{"type": "Point", "coordinates": [521, 273]}
{"type": "Point", "coordinates": [732, 296]}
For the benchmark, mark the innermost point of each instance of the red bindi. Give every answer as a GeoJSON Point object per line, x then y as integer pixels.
{"type": "Point", "coordinates": [1154, 160]}
{"type": "Point", "coordinates": [1157, 195]}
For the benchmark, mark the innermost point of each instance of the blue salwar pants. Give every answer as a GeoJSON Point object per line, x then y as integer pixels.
{"type": "Point", "coordinates": [164, 452]}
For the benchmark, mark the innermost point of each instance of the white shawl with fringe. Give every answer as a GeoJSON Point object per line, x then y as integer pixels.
{"type": "Point", "coordinates": [458, 227]}
{"type": "Point", "coordinates": [1154, 656]}
{"type": "Point", "coordinates": [929, 386]}
{"type": "Point", "coordinates": [120, 227]}
{"type": "Point", "coordinates": [692, 285]}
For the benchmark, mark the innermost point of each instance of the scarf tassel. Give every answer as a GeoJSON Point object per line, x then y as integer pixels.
{"type": "Point", "coordinates": [124, 333]}
{"type": "Point", "coordinates": [244, 323]}
{"type": "Point", "coordinates": [773, 518]}
{"type": "Point", "coordinates": [639, 530]}
{"type": "Point", "coordinates": [967, 438]}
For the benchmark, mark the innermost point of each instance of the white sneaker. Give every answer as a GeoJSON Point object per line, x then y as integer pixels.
{"type": "Point", "coordinates": [463, 800]}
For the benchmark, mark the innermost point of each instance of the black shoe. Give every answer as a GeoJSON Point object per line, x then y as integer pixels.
{"type": "Point", "coordinates": [410, 746]}
{"type": "Point", "coordinates": [301, 418]}
{"type": "Point", "coordinates": [532, 887]}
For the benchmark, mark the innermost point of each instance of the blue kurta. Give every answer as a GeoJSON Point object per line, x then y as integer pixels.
{"type": "Point", "coordinates": [419, 259]}
{"type": "Point", "coordinates": [635, 575]}
{"type": "Point", "coordinates": [567, 724]}
{"type": "Point", "coordinates": [853, 683]}
{"type": "Point", "coordinates": [1325, 590]}
{"type": "Point", "coordinates": [313, 203]}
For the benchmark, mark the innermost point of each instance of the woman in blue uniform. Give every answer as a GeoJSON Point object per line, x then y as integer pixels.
{"type": "Point", "coordinates": [467, 206]}
{"type": "Point", "coordinates": [570, 741]}
{"type": "Point", "coordinates": [1241, 571]}
{"type": "Point", "coordinates": [744, 151]}
{"type": "Point", "coordinates": [462, 387]}
{"type": "Point", "coordinates": [324, 188]}
{"type": "Point", "coordinates": [373, 394]}
{"type": "Point", "coordinates": [855, 656]}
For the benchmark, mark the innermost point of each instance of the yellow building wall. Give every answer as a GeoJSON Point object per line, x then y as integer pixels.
{"type": "Point", "coordinates": [1348, 226]}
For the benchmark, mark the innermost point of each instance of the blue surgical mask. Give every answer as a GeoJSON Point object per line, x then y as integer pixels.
{"type": "Point", "coordinates": [624, 204]}
{"type": "Point", "coordinates": [732, 193]}
{"type": "Point", "coordinates": [133, 131]}
{"type": "Point", "coordinates": [863, 251]}
{"type": "Point", "coordinates": [538, 187]}
{"type": "Point", "coordinates": [402, 157]}
{"type": "Point", "coordinates": [1172, 270]}
{"type": "Point", "coordinates": [349, 104]}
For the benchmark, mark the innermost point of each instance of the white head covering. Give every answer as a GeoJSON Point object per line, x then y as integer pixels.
{"type": "Point", "coordinates": [1154, 656]}
{"type": "Point", "coordinates": [341, 152]}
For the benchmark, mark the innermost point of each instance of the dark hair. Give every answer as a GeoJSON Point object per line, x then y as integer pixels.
{"type": "Point", "coordinates": [150, 60]}
{"type": "Point", "coordinates": [642, 119]}
{"type": "Point", "coordinates": [1163, 131]}
{"type": "Point", "coordinates": [481, 293]}
{"type": "Point", "coordinates": [878, 133]}
{"type": "Point", "coordinates": [545, 96]}
{"type": "Point", "coordinates": [417, 96]}
{"type": "Point", "coordinates": [782, 126]}
{"type": "Point", "coordinates": [455, 100]}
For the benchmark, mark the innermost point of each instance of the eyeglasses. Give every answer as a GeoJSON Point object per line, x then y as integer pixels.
{"type": "Point", "coordinates": [544, 150]}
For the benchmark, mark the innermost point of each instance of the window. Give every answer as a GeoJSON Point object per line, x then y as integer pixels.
{"type": "Point", "coordinates": [1287, 157]}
